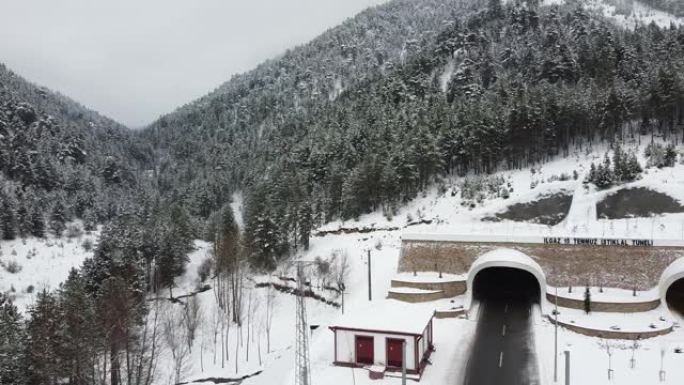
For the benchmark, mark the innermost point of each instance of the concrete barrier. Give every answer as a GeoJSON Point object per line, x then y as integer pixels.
{"type": "Point", "coordinates": [449, 313]}
{"type": "Point", "coordinates": [606, 307]}
{"type": "Point", "coordinates": [612, 334]}
{"type": "Point", "coordinates": [450, 288]}
{"type": "Point", "coordinates": [415, 296]}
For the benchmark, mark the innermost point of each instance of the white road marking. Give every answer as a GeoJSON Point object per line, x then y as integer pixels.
{"type": "Point", "coordinates": [501, 359]}
{"type": "Point", "coordinates": [506, 309]}
{"type": "Point", "coordinates": [503, 332]}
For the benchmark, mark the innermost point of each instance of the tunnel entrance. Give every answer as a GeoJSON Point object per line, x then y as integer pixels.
{"type": "Point", "coordinates": [675, 296]}
{"type": "Point", "coordinates": [502, 353]}
{"type": "Point", "coordinates": [506, 284]}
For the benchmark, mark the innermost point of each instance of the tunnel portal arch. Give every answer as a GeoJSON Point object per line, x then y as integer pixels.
{"type": "Point", "coordinates": [672, 277]}
{"type": "Point", "coordinates": [509, 258]}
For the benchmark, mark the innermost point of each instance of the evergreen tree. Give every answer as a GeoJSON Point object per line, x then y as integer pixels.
{"type": "Point", "coordinates": [43, 360]}
{"type": "Point", "coordinates": [305, 225]}
{"type": "Point", "coordinates": [495, 8]}
{"type": "Point", "coordinates": [23, 220]}
{"type": "Point", "coordinates": [604, 174]}
{"type": "Point", "coordinates": [175, 242]}
{"type": "Point", "coordinates": [12, 342]}
{"type": "Point", "coordinates": [264, 238]}
{"type": "Point", "coordinates": [115, 278]}
{"type": "Point", "coordinates": [57, 219]}
{"type": "Point", "coordinates": [79, 330]}
{"type": "Point", "coordinates": [587, 301]}
{"type": "Point", "coordinates": [592, 173]}
{"type": "Point", "coordinates": [89, 220]}
{"type": "Point", "coordinates": [670, 155]}
{"type": "Point", "coordinates": [619, 163]}
{"type": "Point", "coordinates": [170, 261]}
{"type": "Point", "coordinates": [8, 220]}
{"type": "Point", "coordinates": [632, 168]}
{"type": "Point", "coordinates": [37, 222]}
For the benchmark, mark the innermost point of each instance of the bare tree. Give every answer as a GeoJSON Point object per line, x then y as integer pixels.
{"type": "Point", "coordinates": [216, 325]}
{"type": "Point", "coordinates": [146, 356]}
{"type": "Point", "coordinates": [192, 317]}
{"type": "Point", "coordinates": [175, 336]}
{"type": "Point", "coordinates": [270, 308]}
{"type": "Point", "coordinates": [249, 323]}
{"type": "Point", "coordinates": [341, 258]}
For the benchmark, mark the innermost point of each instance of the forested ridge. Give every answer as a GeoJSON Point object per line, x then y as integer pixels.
{"type": "Point", "coordinates": [501, 86]}
{"type": "Point", "coordinates": [64, 170]}
{"type": "Point", "coordinates": [59, 161]}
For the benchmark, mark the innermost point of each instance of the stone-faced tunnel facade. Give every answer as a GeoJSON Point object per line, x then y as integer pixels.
{"type": "Point", "coordinates": [622, 263]}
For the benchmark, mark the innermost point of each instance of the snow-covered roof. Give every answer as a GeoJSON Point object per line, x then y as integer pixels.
{"type": "Point", "coordinates": [388, 316]}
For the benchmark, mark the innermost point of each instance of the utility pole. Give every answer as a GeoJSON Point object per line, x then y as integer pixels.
{"type": "Point", "coordinates": [567, 367]}
{"type": "Point", "coordinates": [302, 364]}
{"type": "Point", "coordinates": [370, 287]}
{"type": "Point", "coordinates": [555, 339]}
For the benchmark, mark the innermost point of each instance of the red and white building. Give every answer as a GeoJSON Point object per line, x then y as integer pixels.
{"type": "Point", "coordinates": [374, 339]}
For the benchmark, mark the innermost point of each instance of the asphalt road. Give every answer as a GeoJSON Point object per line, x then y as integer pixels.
{"type": "Point", "coordinates": [502, 352]}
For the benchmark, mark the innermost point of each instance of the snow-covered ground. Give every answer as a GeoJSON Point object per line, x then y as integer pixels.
{"type": "Point", "coordinates": [608, 294]}
{"type": "Point", "coordinates": [447, 214]}
{"type": "Point", "coordinates": [641, 14]}
{"type": "Point", "coordinates": [42, 263]}
{"type": "Point", "coordinates": [589, 359]}
{"type": "Point", "coordinates": [45, 263]}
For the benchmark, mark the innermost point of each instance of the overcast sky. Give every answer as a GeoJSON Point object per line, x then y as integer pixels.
{"type": "Point", "coordinates": [134, 60]}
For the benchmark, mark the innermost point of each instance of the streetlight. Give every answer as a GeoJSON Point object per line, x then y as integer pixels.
{"type": "Point", "coordinates": [555, 339]}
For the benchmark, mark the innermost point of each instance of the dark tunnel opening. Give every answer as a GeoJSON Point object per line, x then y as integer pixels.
{"type": "Point", "coordinates": [501, 353]}
{"type": "Point", "coordinates": [675, 296]}
{"type": "Point", "coordinates": [507, 284]}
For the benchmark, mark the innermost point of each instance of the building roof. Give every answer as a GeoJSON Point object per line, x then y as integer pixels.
{"type": "Point", "coordinates": [387, 316]}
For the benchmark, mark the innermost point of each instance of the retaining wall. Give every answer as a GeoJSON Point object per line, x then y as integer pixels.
{"type": "Point", "coordinates": [563, 265]}
{"type": "Point", "coordinates": [612, 334]}
{"type": "Point", "coordinates": [608, 307]}
{"type": "Point", "coordinates": [450, 288]}
{"type": "Point", "coordinates": [452, 313]}
{"type": "Point", "coordinates": [416, 297]}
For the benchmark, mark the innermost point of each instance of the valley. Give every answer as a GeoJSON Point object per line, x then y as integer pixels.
{"type": "Point", "coordinates": [488, 186]}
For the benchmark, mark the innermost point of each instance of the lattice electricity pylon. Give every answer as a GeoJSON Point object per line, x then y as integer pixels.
{"type": "Point", "coordinates": [302, 363]}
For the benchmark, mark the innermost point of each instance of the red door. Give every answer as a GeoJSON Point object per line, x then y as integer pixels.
{"type": "Point", "coordinates": [364, 350]}
{"type": "Point", "coordinates": [395, 357]}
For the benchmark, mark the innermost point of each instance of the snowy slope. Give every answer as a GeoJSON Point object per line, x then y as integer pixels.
{"type": "Point", "coordinates": [641, 14]}
{"type": "Point", "coordinates": [44, 264]}
{"type": "Point", "coordinates": [449, 216]}
{"type": "Point", "coordinates": [452, 337]}
{"type": "Point", "coordinates": [50, 262]}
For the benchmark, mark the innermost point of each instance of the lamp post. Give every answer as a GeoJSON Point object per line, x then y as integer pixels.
{"type": "Point", "coordinates": [567, 367]}
{"type": "Point", "coordinates": [555, 339]}
{"type": "Point", "coordinates": [370, 292]}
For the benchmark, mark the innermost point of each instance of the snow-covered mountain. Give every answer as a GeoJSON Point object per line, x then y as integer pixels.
{"type": "Point", "coordinates": [442, 116]}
